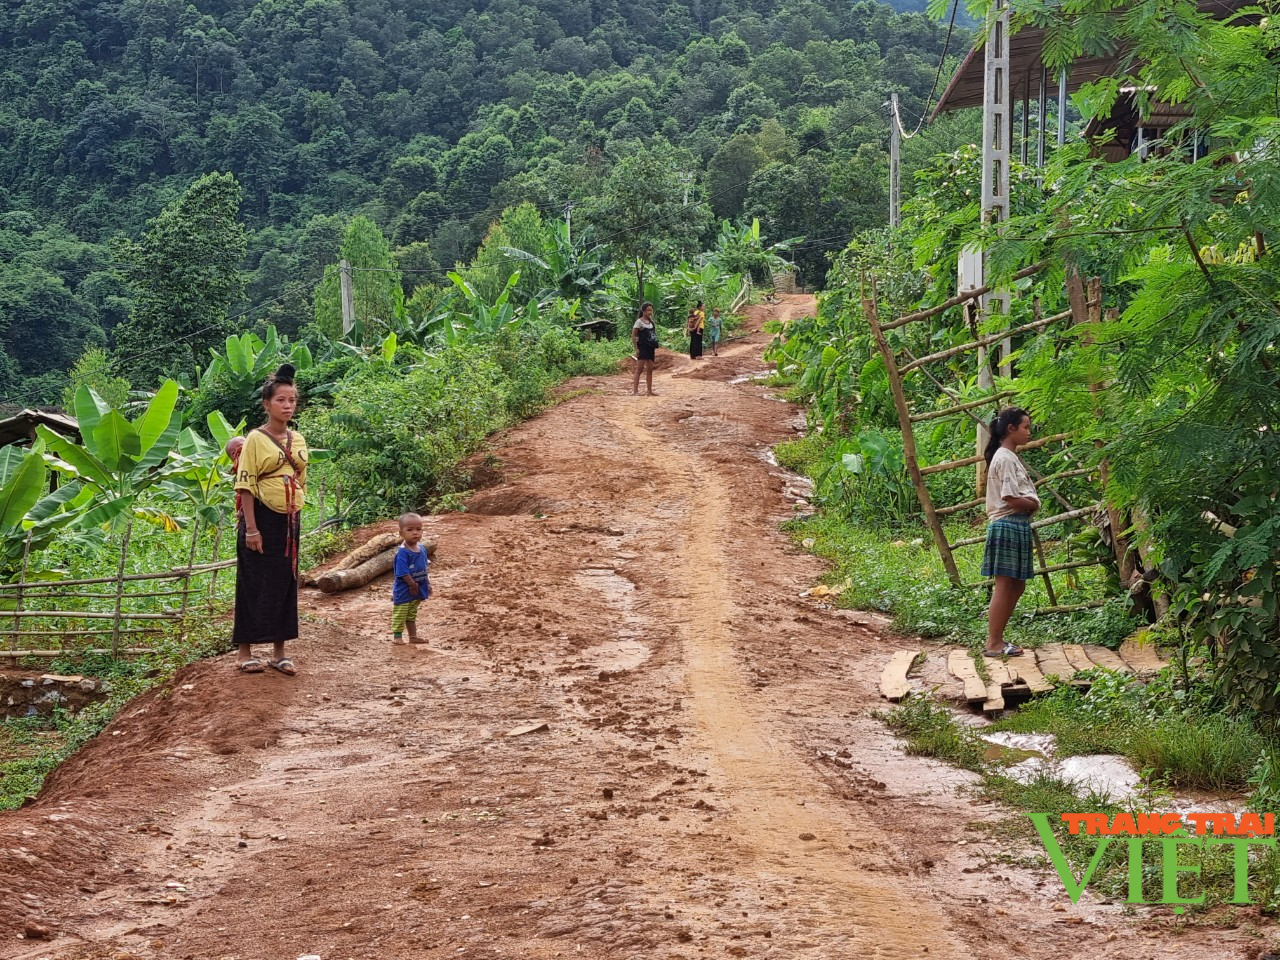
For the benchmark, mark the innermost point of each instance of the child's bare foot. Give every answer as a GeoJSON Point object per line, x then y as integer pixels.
{"type": "Point", "coordinates": [398, 640]}
{"type": "Point", "coordinates": [413, 633]}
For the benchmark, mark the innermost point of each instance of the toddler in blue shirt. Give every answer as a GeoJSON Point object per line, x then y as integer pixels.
{"type": "Point", "coordinates": [412, 585]}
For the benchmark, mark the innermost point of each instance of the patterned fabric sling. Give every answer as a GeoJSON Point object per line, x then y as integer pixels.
{"type": "Point", "coordinates": [290, 493]}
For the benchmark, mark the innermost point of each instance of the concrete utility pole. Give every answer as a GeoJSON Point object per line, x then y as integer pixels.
{"type": "Point", "coordinates": [895, 166]}
{"type": "Point", "coordinates": [1062, 107]}
{"type": "Point", "coordinates": [997, 137]}
{"type": "Point", "coordinates": [568, 221]}
{"type": "Point", "coordinates": [347, 296]}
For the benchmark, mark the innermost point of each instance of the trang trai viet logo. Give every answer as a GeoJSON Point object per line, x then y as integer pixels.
{"type": "Point", "coordinates": [1160, 838]}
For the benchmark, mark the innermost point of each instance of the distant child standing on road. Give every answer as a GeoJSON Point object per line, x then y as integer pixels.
{"type": "Point", "coordinates": [714, 327]}
{"type": "Point", "coordinates": [412, 585]}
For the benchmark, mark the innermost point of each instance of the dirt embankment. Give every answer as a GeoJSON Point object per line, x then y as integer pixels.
{"type": "Point", "coordinates": [709, 782]}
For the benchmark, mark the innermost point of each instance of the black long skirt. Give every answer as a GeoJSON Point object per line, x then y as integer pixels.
{"type": "Point", "coordinates": [695, 346]}
{"type": "Point", "coordinates": [266, 588]}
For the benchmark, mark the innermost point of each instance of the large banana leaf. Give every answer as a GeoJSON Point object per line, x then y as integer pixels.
{"type": "Point", "coordinates": [89, 409]}
{"type": "Point", "coordinates": [220, 428]}
{"type": "Point", "coordinates": [48, 507]}
{"type": "Point", "coordinates": [11, 457]}
{"type": "Point", "coordinates": [71, 458]}
{"type": "Point", "coordinates": [115, 442]}
{"type": "Point", "coordinates": [237, 363]}
{"type": "Point", "coordinates": [105, 510]}
{"type": "Point", "coordinates": [152, 425]}
{"type": "Point", "coordinates": [163, 446]}
{"type": "Point", "coordinates": [21, 491]}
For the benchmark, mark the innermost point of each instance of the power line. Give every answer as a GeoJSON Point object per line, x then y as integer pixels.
{"type": "Point", "coordinates": [955, 6]}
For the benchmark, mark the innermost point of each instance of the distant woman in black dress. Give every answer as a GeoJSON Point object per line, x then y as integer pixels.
{"type": "Point", "coordinates": [644, 337]}
{"type": "Point", "coordinates": [272, 475]}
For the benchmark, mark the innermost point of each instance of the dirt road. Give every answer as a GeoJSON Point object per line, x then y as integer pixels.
{"type": "Point", "coordinates": [709, 782]}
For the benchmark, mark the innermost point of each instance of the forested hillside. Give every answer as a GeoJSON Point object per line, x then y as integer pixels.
{"type": "Point", "coordinates": [428, 116]}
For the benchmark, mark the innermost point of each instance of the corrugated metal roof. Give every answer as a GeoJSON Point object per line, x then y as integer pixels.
{"type": "Point", "coordinates": [22, 426]}
{"type": "Point", "coordinates": [966, 86]}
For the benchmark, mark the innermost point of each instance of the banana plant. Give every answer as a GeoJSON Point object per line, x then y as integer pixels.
{"type": "Point", "coordinates": [463, 313]}
{"type": "Point", "coordinates": [30, 518]}
{"type": "Point", "coordinates": [577, 269]}
{"type": "Point", "coordinates": [197, 470]}
{"type": "Point", "coordinates": [119, 458]}
{"type": "Point", "coordinates": [249, 359]}
{"type": "Point", "coordinates": [740, 249]}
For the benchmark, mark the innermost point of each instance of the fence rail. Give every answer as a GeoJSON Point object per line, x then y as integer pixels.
{"type": "Point", "coordinates": [37, 612]}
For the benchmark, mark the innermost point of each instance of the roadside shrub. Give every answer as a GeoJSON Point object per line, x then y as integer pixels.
{"type": "Point", "coordinates": [399, 432]}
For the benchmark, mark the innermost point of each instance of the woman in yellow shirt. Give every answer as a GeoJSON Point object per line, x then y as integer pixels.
{"type": "Point", "coordinates": [273, 474]}
{"type": "Point", "coordinates": [697, 320]}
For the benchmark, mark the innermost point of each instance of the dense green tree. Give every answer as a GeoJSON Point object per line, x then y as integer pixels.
{"type": "Point", "coordinates": [375, 283]}
{"type": "Point", "coordinates": [96, 369]}
{"type": "Point", "coordinates": [650, 211]}
{"type": "Point", "coordinates": [185, 273]}
{"type": "Point", "coordinates": [429, 119]}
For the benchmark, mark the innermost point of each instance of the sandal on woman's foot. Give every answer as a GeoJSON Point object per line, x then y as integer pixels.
{"type": "Point", "coordinates": [1008, 650]}
{"type": "Point", "coordinates": [285, 666]}
{"type": "Point", "coordinates": [252, 665]}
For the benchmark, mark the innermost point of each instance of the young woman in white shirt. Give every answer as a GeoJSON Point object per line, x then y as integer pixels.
{"type": "Point", "coordinates": [1009, 555]}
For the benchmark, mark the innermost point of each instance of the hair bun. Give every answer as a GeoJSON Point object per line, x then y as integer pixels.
{"type": "Point", "coordinates": [285, 373]}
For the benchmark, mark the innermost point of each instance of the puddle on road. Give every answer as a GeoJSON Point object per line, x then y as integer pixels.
{"type": "Point", "coordinates": [612, 584]}
{"type": "Point", "coordinates": [751, 377]}
{"type": "Point", "coordinates": [624, 652]}
{"type": "Point", "coordinates": [1027, 755]}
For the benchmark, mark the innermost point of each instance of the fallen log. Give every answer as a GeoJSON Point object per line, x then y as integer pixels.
{"type": "Point", "coordinates": [366, 551]}
{"type": "Point", "coordinates": [335, 581]}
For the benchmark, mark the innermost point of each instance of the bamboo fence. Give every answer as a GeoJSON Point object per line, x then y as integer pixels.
{"type": "Point", "coordinates": [46, 618]}
{"type": "Point", "coordinates": [1085, 308]}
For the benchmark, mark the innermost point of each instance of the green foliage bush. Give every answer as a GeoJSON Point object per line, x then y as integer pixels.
{"type": "Point", "coordinates": [399, 432]}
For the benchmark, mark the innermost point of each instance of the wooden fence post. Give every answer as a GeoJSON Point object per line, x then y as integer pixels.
{"type": "Point", "coordinates": [186, 581]}
{"type": "Point", "coordinates": [1090, 296]}
{"type": "Point", "coordinates": [115, 620]}
{"type": "Point", "coordinates": [22, 581]}
{"type": "Point", "coordinates": [217, 549]}
{"type": "Point", "coordinates": [872, 311]}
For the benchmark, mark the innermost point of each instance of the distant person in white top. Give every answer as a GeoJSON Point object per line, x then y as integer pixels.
{"type": "Point", "coordinates": [1009, 555]}
{"type": "Point", "coordinates": [644, 337]}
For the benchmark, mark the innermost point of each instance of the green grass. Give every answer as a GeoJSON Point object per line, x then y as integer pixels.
{"type": "Point", "coordinates": [931, 730]}
{"type": "Point", "coordinates": [901, 573]}
{"type": "Point", "coordinates": [1174, 731]}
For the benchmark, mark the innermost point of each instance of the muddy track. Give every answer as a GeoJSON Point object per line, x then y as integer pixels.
{"type": "Point", "coordinates": [709, 783]}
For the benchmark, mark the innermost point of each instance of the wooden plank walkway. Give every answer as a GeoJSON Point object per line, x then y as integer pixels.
{"type": "Point", "coordinates": [1077, 657]}
{"type": "Point", "coordinates": [1030, 674]}
{"type": "Point", "coordinates": [1108, 659]}
{"type": "Point", "coordinates": [1000, 678]}
{"type": "Point", "coordinates": [1142, 657]}
{"type": "Point", "coordinates": [961, 666]}
{"type": "Point", "coordinates": [1053, 662]}
{"type": "Point", "coordinates": [894, 684]}
{"type": "Point", "coordinates": [1034, 673]}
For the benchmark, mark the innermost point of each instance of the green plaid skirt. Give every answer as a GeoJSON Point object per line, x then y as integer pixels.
{"type": "Point", "coordinates": [1009, 551]}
